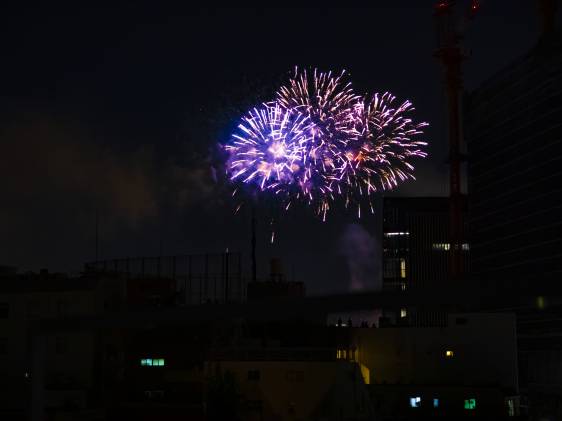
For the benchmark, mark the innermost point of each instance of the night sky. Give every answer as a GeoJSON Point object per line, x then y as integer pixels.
{"type": "Point", "coordinates": [118, 111]}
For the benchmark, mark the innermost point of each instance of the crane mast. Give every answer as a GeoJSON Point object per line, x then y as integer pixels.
{"type": "Point", "coordinates": [449, 53]}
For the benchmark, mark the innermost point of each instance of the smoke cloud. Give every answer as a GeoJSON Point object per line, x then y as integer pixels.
{"type": "Point", "coordinates": [359, 249]}
{"type": "Point", "coordinates": [55, 176]}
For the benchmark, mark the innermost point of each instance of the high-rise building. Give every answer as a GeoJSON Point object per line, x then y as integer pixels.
{"type": "Point", "coordinates": [513, 128]}
{"type": "Point", "coordinates": [416, 243]}
{"type": "Point", "coordinates": [514, 136]}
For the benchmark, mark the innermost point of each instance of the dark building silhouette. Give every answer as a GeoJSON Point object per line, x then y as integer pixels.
{"type": "Point", "coordinates": [514, 138]}
{"type": "Point", "coordinates": [513, 126]}
{"type": "Point", "coordinates": [416, 243]}
{"type": "Point", "coordinates": [97, 347]}
{"type": "Point", "coordinates": [276, 287]}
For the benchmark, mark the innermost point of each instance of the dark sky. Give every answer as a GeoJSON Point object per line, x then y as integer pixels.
{"type": "Point", "coordinates": [119, 110]}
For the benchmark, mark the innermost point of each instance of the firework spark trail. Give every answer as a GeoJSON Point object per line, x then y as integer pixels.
{"type": "Point", "coordinates": [319, 143]}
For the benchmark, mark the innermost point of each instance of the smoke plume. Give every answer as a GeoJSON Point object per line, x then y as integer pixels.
{"type": "Point", "coordinates": [359, 249]}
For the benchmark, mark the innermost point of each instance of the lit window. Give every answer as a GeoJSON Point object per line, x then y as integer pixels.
{"type": "Point", "coordinates": [465, 246]}
{"type": "Point", "coordinates": [153, 362]}
{"type": "Point", "coordinates": [449, 354]}
{"type": "Point", "coordinates": [470, 403]}
{"type": "Point", "coordinates": [403, 286]}
{"type": "Point", "coordinates": [365, 373]}
{"type": "Point", "coordinates": [415, 402]}
{"type": "Point", "coordinates": [403, 312]}
{"type": "Point", "coordinates": [510, 408]}
{"type": "Point", "coordinates": [402, 268]}
{"type": "Point", "coordinates": [541, 302]}
{"type": "Point", "coordinates": [435, 403]}
{"type": "Point", "coordinates": [341, 354]}
{"type": "Point", "coordinates": [396, 234]}
{"type": "Point", "coordinates": [441, 246]}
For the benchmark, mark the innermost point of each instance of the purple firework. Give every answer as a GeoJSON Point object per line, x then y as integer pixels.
{"type": "Point", "coordinates": [378, 153]}
{"type": "Point", "coordinates": [329, 102]}
{"type": "Point", "coordinates": [321, 144]}
{"type": "Point", "coordinates": [269, 149]}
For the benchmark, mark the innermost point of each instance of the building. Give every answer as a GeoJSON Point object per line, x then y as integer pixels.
{"type": "Point", "coordinates": [513, 128]}
{"type": "Point", "coordinates": [265, 360]}
{"type": "Point", "coordinates": [305, 389]}
{"type": "Point", "coordinates": [236, 369]}
{"type": "Point", "coordinates": [84, 365]}
{"type": "Point", "coordinates": [276, 287]}
{"type": "Point", "coordinates": [466, 368]}
{"type": "Point", "coordinates": [514, 138]}
{"type": "Point", "coordinates": [70, 376]}
{"type": "Point", "coordinates": [99, 347]}
{"type": "Point", "coordinates": [416, 246]}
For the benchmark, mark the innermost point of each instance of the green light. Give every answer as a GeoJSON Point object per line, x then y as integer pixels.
{"type": "Point", "coordinates": [541, 302]}
{"type": "Point", "coordinates": [153, 362]}
{"type": "Point", "coordinates": [469, 403]}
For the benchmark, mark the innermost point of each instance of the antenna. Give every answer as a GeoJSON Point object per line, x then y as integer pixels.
{"type": "Point", "coordinates": [254, 270]}
{"type": "Point", "coordinates": [96, 237]}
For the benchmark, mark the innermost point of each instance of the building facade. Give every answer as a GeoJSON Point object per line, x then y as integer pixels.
{"type": "Point", "coordinates": [416, 245]}
{"type": "Point", "coordinates": [514, 136]}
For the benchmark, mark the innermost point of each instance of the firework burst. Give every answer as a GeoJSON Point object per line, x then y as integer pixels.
{"type": "Point", "coordinates": [377, 154]}
{"type": "Point", "coordinates": [328, 101]}
{"type": "Point", "coordinates": [321, 144]}
{"type": "Point", "coordinates": [269, 149]}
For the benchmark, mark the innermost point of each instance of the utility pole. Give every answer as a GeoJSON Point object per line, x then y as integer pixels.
{"type": "Point", "coordinates": [254, 268]}
{"type": "Point", "coordinates": [96, 238]}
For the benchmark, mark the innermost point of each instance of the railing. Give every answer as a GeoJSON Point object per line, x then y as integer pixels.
{"type": "Point", "coordinates": [198, 278]}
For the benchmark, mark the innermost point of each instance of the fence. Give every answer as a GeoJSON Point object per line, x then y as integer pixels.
{"type": "Point", "coordinates": [199, 278]}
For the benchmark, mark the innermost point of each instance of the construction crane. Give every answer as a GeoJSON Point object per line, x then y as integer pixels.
{"type": "Point", "coordinates": [450, 31]}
